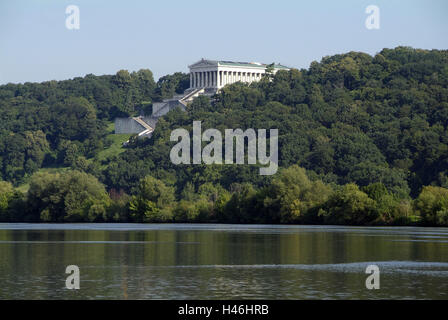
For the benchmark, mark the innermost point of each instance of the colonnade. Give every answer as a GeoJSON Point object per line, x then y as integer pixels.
{"type": "Point", "coordinates": [215, 79]}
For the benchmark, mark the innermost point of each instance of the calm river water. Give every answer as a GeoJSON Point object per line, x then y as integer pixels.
{"type": "Point", "coordinates": [205, 261]}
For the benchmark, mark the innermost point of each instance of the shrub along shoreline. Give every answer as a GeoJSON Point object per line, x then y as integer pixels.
{"type": "Point", "coordinates": [290, 198]}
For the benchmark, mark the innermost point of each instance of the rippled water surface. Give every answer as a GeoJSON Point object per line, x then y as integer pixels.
{"type": "Point", "coordinates": [203, 261]}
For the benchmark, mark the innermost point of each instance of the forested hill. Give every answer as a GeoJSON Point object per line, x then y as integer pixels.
{"type": "Point", "coordinates": [370, 131]}
{"type": "Point", "coordinates": [56, 123]}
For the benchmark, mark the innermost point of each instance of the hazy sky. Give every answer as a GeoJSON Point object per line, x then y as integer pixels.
{"type": "Point", "coordinates": [168, 35]}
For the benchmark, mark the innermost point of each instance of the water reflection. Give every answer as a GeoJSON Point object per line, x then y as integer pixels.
{"type": "Point", "coordinates": [133, 261]}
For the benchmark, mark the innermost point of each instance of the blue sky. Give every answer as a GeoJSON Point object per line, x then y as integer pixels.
{"type": "Point", "coordinates": [166, 36]}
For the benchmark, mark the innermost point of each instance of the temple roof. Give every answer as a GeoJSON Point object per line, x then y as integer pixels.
{"type": "Point", "coordinates": [205, 62]}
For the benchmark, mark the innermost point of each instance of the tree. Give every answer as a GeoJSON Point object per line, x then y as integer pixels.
{"type": "Point", "coordinates": [6, 194]}
{"type": "Point", "coordinates": [70, 196]}
{"type": "Point", "coordinates": [292, 194]}
{"type": "Point", "coordinates": [153, 201]}
{"type": "Point", "coordinates": [432, 205]}
{"type": "Point", "coordinates": [74, 119]}
{"type": "Point", "coordinates": [349, 205]}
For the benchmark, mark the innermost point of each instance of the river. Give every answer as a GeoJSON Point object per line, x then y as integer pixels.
{"type": "Point", "coordinates": [212, 261]}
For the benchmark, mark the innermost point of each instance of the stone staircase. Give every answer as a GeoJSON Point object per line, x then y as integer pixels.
{"type": "Point", "coordinates": [144, 126]}
{"type": "Point", "coordinates": [189, 96]}
{"type": "Point", "coordinates": [159, 109]}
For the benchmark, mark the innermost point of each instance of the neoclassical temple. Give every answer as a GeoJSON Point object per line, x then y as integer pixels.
{"type": "Point", "coordinates": [217, 74]}
{"type": "Point", "coordinates": [206, 78]}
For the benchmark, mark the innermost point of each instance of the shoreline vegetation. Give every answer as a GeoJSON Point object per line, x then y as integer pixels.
{"type": "Point", "coordinates": [363, 140]}
{"type": "Point", "coordinates": [291, 198]}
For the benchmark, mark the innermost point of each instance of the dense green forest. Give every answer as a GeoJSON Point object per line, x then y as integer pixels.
{"type": "Point", "coordinates": [362, 140]}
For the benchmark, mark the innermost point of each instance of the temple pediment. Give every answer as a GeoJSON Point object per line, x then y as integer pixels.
{"type": "Point", "coordinates": [204, 63]}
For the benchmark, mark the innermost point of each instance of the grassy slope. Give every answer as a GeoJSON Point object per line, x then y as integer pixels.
{"type": "Point", "coordinates": [117, 144]}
